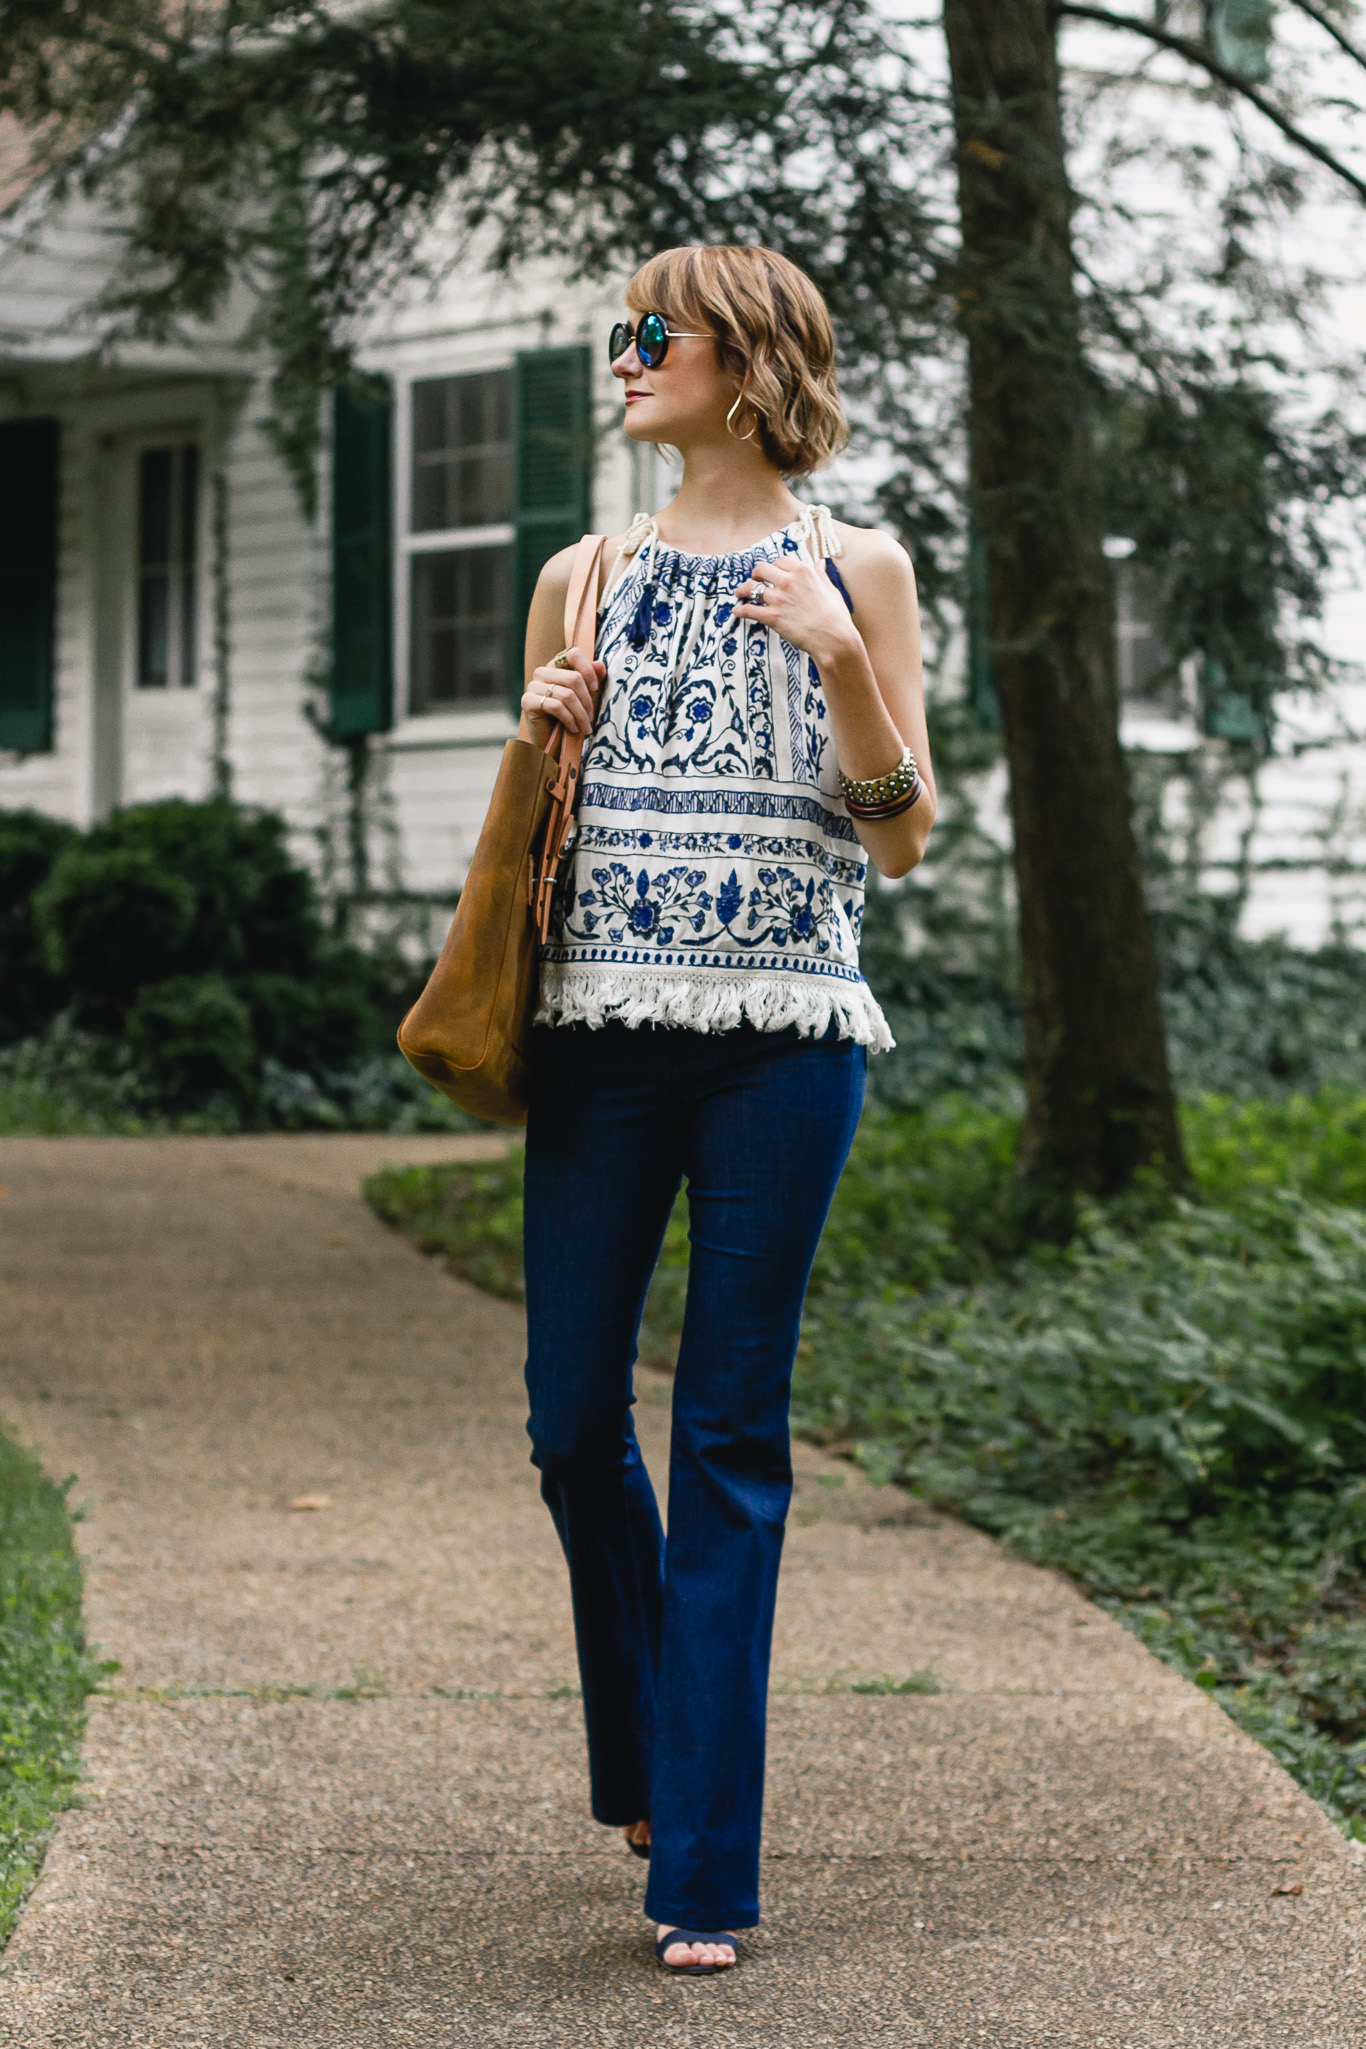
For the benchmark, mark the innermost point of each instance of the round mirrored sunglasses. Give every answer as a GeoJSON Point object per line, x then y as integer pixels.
{"type": "Point", "coordinates": [651, 335]}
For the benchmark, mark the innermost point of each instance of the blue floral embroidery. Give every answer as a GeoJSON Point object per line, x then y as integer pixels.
{"type": "Point", "coordinates": [643, 907]}
{"type": "Point", "coordinates": [674, 907]}
{"type": "Point", "coordinates": [703, 843]}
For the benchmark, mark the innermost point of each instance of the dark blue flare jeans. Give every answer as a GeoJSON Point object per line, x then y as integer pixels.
{"type": "Point", "coordinates": [674, 1635]}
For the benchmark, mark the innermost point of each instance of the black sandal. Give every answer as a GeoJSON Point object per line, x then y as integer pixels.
{"type": "Point", "coordinates": [673, 1935]}
{"type": "Point", "coordinates": [637, 1849]}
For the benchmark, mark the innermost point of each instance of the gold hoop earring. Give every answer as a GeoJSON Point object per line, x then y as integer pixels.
{"type": "Point", "coordinates": [739, 401]}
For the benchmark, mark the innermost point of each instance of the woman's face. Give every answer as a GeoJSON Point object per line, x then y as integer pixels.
{"type": "Point", "coordinates": [685, 398]}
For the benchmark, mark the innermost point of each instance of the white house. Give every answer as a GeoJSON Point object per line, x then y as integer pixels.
{"type": "Point", "coordinates": [171, 622]}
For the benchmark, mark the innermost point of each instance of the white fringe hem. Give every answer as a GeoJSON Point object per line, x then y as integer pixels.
{"type": "Point", "coordinates": [594, 996]}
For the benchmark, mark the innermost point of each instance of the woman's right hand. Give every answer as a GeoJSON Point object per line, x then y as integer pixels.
{"type": "Point", "coordinates": [559, 697]}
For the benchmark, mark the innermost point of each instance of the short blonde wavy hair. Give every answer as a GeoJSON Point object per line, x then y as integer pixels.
{"type": "Point", "coordinates": [772, 330]}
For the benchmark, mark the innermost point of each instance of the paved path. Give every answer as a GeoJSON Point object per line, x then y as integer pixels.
{"type": "Point", "coordinates": [1069, 1847]}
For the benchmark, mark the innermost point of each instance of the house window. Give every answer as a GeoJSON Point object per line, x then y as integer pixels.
{"type": "Point", "coordinates": [460, 541]}
{"type": "Point", "coordinates": [1147, 680]}
{"type": "Point", "coordinates": [168, 518]}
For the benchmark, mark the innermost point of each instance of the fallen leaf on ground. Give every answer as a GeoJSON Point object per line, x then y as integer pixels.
{"type": "Point", "coordinates": [1286, 1892]}
{"type": "Point", "coordinates": [311, 1501]}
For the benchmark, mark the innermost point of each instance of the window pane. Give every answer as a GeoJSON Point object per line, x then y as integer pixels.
{"type": "Point", "coordinates": [154, 508]}
{"type": "Point", "coordinates": [189, 567]}
{"type": "Point", "coordinates": [462, 451]}
{"type": "Point", "coordinates": [154, 629]}
{"type": "Point", "coordinates": [459, 627]}
{"type": "Point", "coordinates": [1141, 656]}
{"type": "Point", "coordinates": [168, 494]}
{"type": "Point", "coordinates": [154, 559]}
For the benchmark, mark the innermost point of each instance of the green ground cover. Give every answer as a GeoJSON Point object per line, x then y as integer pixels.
{"type": "Point", "coordinates": [46, 1672]}
{"type": "Point", "coordinates": [1172, 1409]}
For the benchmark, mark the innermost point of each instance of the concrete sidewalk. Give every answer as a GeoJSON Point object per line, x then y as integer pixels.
{"type": "Point", "coordinates": [1066, 1847]}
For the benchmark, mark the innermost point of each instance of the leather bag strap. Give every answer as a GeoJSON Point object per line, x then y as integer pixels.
{"type": "Point", "coordinates": [581, 631]}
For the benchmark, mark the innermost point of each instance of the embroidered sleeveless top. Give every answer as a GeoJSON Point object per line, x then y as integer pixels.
{"type": "Point", "coordinates": [716, 877]}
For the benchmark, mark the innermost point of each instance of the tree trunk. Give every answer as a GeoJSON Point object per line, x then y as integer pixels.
{"type": "Point", "coordinates": [1099, 1092]}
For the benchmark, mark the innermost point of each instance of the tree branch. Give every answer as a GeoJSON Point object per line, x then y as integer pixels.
{"type": "Point", "coordinates": [1330, 28]}
{"type": "Point", "coordinates": [1194, 54]}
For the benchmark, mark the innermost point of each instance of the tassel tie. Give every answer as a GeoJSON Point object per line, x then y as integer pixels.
{"type": "Point", "coordinates": [643, 527]}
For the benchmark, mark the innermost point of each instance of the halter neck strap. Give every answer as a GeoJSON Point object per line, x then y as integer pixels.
{"type": "Point", "coordinates": [817, 529]}
{"type": "Point", "coordinates": [814, 524]}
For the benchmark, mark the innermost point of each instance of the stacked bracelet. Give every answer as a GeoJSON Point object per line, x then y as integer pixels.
{"type": "Point", "coordinates": [883, 796]}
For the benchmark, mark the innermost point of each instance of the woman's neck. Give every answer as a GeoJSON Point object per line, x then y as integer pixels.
{"type": "Point", "coordinates": [731, 496]}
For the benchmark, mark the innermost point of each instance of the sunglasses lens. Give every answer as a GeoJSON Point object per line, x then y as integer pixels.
{"type": "Point", "coordinates": [652, 339]}
{"type": "Point", "coordinates": [619, 341]}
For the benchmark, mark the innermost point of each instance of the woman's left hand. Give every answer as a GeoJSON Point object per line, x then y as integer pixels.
{"type": "Point", "coordinates": [801, 603]}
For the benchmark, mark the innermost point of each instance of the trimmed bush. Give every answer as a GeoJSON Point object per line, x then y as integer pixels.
{"type": "Point", "coordinates": [193, 1033]}
{"type": "Point", "coordinates": [111, 920]}
{"type": "Point", "coordinates": [30, 993]}
{"type": "Point", "coordinates": [174, 963]}
{"type": "Point", "coordinates": [177, 889]}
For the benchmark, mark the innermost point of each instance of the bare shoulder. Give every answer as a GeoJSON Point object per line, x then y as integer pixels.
{"type": "Point", "coordinates": [553, 581]}
{"type": "Point", "coordinates": [872, 554]}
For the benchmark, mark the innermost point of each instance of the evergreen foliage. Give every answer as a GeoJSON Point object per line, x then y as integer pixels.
{"type": "Point", "coordinates": [312, 155]}
{"type": "Point", "coordinates": [1226, 512]}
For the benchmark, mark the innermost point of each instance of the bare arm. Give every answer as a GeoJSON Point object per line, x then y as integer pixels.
{"type": "Point", "coordinates": [556, 697]}
{"type": "Point", "coordinates": [870, 672]}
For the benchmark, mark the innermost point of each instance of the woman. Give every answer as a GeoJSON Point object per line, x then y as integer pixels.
{"type": "Point", "coordinates": [753, 711]}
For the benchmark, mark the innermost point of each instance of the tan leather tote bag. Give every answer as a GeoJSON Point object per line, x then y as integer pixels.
{"type": "Point", "coordinates": [469, 1032]}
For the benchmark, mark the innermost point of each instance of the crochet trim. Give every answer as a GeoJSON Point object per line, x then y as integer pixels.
{"type": "Point", "coordinates": [592, 995]}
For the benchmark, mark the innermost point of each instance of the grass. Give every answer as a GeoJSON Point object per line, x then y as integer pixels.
{"type": "Point", "coordinates": [46, 1673]}
{"type": "Point", "coordinates": [1172, 1409]}
{"type": "Point", "coordinates": [923, 1681]}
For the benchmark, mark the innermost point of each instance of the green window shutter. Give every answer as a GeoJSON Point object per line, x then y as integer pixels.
{"type": "Point", "coordinates": [553, 471]}
{"type": "Point", "coordinates": [362, 559]}
{"type": "Point", "coordinates": [28, 582]}
{"type": "Point", "coordinates": [1230, 714]}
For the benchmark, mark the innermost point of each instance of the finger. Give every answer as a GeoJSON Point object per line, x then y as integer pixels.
{"type": "Point", "coordinates": [569, 712]}
{"type": "Point", "coordinates": [544, 701]}
{"type": "Point", "coordinates": [568, 707]}
{"type": "Point", "coordinates": [581, 692]}
{"type": "Point", "coordinates": [558, 683]}
{"type": "Point", "coordinates": [562, 684]}
{"type": "Point", "coordinates": [580, 664]}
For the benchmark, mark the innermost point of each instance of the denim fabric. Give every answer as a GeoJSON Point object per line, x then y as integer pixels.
{"type": "Point", "coordinates": [674, 1636]}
